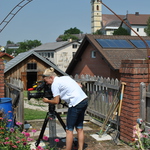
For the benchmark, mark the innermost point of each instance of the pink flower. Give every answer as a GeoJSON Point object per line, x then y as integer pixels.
{"type": "Point", "coordinates": [57, 140]}
{"type": "Point", "coordinates": [12, 130]}
{"type": "Point", "coordinates": [18, 123]}
{"type": "Point", "coordinates": [18, 142]}
{"type": "Point", "coordinates": [33, 130]}
{"type": "Point", "coordinates": [14, 146]}
{"type": "Point", "coordinates": [45, 138]}
{"type": "Point", "coordinates": [9, 111]}
{"type": "Point", "coordinates": [6, 143]}
{"type": "Point", "coordinates": [1, 118]}
{"type": "Point", "coordinates": [9, 120]}
{"type": "Point", "coordinates": [29, 139]}
{"type": "Point", "coordinates": [23, 132]}
{"type": "Point", "coordinates": [6, 138]}
{"type": "Point", "coordinates": [50, 118]}
{"type": "Point", "coordinates": [27, 134]}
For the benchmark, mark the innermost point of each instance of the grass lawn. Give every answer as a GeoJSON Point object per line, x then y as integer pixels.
{"type": "Point", "coordinates": [30, 114]}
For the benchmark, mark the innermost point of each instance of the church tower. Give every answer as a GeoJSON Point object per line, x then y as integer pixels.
{"type": "Point", "coordinates": [96, 15]}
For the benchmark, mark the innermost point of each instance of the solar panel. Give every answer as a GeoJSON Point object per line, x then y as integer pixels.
{"type": "Point", "coordinates": [112, 43]}
{"type": "Point", "coordinates": [140, 43]}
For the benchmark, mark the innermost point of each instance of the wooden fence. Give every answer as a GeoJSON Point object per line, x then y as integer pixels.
{"type": "Point", "coordinates": [101, 93]}
{"type": "Point", "coordinates": [145, 104]}
{"type": "Point", "coordinates": [14, 90]}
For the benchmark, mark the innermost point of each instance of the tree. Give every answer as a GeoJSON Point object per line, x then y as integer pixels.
{"type": "Point", "coordinates": [10, 42]}
{"type": "Point", "coordinates": [73, 31]}
{"type": "Point", "coordinates": [23, 46]}
{"type": "Point", "coordinates": [98, 32]}
{"type": "Point", "coordinates": [65, 37]}
{"type": "Point", "coordinates": [121, 31]}
{"type": "Point", "coordinates": [147, 29]}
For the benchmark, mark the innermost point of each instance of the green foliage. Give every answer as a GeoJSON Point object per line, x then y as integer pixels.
{"type": "Point", "coordinates": [73, 31]}
{"type": "Point", "coordinates": [23, 46]}
{"type": "Point", "coordinates": [13, 138]}
{"type": "Point", "coordinates": [147, 29]}
{"type": "Point", "coordinates": [121, 31]}
{"type": "Point", "coordinates": [141, 140]}
{"type": "Point", "coordinates": [65, 37]}
{"type": "Point", "coordinates": [27, 45]}
{"type": "Point", "coordinates": [10, 42]}
{"type": "Point", "coordinates": [98, 32]}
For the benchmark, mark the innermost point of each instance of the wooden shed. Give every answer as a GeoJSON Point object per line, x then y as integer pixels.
{"type": "Point", "coordinates": [29, 67]}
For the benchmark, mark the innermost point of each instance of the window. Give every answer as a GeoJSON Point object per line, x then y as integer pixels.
{"type": "Point", "coordinates": [73, 54]}
{"type": "Point", "coordinates": [137, 29]}
{"type": "Point", "coordinates": [31, 66]}
{"type": "Point", "coordinates": [93, 54]}
{"type": "Point", "coordinates": [74, 45]}
{"type": "Point", "coordinates": [52, 55]}
{"type": "Point", "coordinates": [97, 7]}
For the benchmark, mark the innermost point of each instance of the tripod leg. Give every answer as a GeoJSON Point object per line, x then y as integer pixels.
{"type": "Point", "coordinates": [60, 120]}
{"type": "Point", "coordinates": [43, 130]}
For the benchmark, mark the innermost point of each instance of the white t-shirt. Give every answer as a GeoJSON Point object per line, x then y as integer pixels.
{"type": "Point", "coordinates": [68, 90]}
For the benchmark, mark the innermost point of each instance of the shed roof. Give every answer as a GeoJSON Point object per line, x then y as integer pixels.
{"type": "Point", "coordinates": [22, 56]}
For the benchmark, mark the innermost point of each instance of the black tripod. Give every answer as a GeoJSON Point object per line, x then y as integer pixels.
{"type": "Point", "coordinates": [51, 117]}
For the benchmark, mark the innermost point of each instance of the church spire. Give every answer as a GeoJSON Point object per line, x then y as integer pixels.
{"type": "Point", "coordinates": [96, 15]}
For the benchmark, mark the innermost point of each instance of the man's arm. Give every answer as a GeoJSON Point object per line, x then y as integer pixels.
{"type": "Point", "coordinates": [55, 100]}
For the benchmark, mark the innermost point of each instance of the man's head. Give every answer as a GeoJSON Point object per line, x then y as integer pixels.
{"type": "Point", "coordinates": [49, 75]}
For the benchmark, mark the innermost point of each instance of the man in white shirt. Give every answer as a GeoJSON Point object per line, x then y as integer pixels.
{"type": "Point", "coordinates": [65, 88]}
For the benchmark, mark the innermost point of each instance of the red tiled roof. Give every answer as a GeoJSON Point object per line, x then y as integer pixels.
{"type": "Point", "coordinates": [2, 54]}
{"type": "Point", "coordinates": [138, 19]}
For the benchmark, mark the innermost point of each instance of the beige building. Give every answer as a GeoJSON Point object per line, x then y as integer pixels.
{"type": "Point", "coordinates": [59, 53]}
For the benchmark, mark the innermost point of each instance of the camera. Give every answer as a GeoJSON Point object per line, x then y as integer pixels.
{"type": "Point", "coordinates": [43, 90]}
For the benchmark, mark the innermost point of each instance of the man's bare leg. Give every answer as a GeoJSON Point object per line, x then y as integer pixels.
{"type": "Point", "coordinates": [80, 133]}
{"type": "Point", "coordinates": [69, 139]}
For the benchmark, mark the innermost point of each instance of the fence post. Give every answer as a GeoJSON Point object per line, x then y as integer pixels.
{"type": "Point", "coordinates": [143, 101]}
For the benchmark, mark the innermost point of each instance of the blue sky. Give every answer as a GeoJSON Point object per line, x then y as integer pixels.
{"type": "Point", "coordinates": [45, 20]}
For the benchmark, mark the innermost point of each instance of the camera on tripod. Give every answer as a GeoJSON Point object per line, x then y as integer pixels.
{"type": "Point", "coordinates": [43, 90]}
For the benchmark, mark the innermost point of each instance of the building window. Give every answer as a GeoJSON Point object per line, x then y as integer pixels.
{"type": "Point", "coordinates": [74, 45]}
{"type": "Point", "coordinates": [97, 7]}
{"type": "Point", "coordinates": [31, 66]}
{"type": "Point", "coordinates": [73, 54]}
{"type": "Point", "coordinates": [52, 55]}
{"type": "Point", "coordinates": [93, 54]}
{"type": "Point", "coordinates": [137, 29]}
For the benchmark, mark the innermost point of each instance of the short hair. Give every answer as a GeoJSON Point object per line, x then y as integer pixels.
{"type": "Point", "coordinates": [49, 72]}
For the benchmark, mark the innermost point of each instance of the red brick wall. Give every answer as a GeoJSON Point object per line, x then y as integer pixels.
{"type": "Point", "coordinates": [1, 78]}
{"type": "Point", "coordinates": [133, 72]}
{"type": "Point", "coordinates": [94, 66]}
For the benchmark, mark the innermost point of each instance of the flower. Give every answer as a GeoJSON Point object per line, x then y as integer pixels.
{"type": "Point", "coordinates": [33, 130]}
{"type": "Point", "coordinates": [18, 123]}
{"type": "Point", "coordinates": [27, 134]}
{"type": "Point", "coordinates": [141, 140]}
{"type": "Point", "coordinates": [45, 138]}
{"type": "Point", "coordinates": [16, 139]}
{"type": "Point", "coordinates": [57, 140]}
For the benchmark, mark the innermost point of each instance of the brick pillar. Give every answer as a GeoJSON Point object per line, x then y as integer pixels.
{"type": "Point", "coordinates": [1, 78]}
{"type": "Point", "coordinates": [133, 72]}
